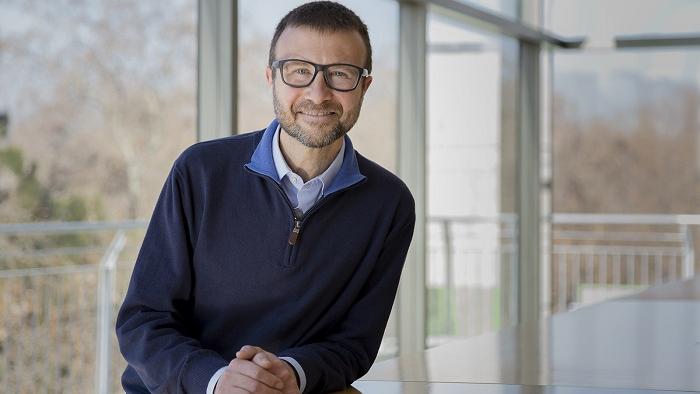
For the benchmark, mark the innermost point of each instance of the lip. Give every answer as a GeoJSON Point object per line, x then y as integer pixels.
{"type": "Point", "coordinates": [318, 115]}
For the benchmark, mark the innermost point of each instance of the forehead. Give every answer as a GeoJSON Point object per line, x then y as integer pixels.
{"type": "Point", "coordinates": [343, 46]}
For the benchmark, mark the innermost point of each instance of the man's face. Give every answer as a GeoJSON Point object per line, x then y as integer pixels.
{"type": "Point", "coordinates": [317, 115]}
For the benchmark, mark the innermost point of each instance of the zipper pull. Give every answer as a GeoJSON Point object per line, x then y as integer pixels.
{"type": "Point", "coordinates": [294, 235]}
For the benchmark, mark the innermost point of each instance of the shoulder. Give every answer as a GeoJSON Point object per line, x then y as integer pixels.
{"type": "Point", "coordinates": [385, 182]}
{"type": "Point", "coordinates": [236, 149]}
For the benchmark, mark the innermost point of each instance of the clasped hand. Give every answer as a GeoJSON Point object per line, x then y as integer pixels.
{"type": "Point", "coordinates": [255, 370]}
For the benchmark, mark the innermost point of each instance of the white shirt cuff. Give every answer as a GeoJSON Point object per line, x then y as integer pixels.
{"type": "Point", "coordinates": [215, 379]}
{"type": "Point", "coordinates": [300, 372]}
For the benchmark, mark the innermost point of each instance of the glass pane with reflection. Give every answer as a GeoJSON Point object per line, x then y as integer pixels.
{"type": "Point", "coordinates": [472, 239]}
{"type": "Point", "coordinates": [98, 98]}
{"type": "Point", "coordinates": [626, 157]}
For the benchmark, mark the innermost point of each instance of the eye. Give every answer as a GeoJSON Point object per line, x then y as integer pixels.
{"type": "Point", "coordinates": [302, 71]}
{"type": "Point", "coordinates": [339, 74]}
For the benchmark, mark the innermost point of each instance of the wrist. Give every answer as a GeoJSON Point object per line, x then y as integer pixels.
{"type": "Point", "coordinates": [294, 371]}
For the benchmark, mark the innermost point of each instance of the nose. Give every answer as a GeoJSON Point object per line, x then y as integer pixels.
{"type": "Point", "coordinates": [318, 91]}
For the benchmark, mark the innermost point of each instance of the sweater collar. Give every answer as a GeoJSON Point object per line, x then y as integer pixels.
{"type": "Point", "coordinates": [282, 167]}
{"type": "Point", "coordinates": [262, 162]}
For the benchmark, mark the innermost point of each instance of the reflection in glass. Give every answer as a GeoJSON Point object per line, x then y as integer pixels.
{"type": "Point", "coordinates": [625, 142]}
{"type": "Point", "coordinates": [601, 20]}
{"type": "Point", "coordinates": [507, 8]}
{"type": "Point", "coordinates": [472, 223]}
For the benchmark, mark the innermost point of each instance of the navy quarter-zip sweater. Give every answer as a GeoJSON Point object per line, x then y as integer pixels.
{"type": "Point", "coordinates": [219, 268]}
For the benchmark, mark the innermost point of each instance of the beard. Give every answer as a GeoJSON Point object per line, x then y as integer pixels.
{"type": "Point", "coordinates": [325, 133]}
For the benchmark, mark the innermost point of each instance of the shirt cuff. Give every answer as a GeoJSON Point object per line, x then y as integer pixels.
{"type": "Point", "coordinates": [214, 380]}
{"type": "Point", "coordinates": [300, 372]}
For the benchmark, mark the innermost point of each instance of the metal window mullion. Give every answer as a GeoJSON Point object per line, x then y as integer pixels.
{"type": "Point", "coordinates": [217, 69]}
{"type": "Point", "coordinates": [411, 165]}
{"type": "Point", "coordinates": [529, 183]}
{"type": "Point", "coordinates": [497, 23]}
{"type": "Point", "coordinates": [536, 15]}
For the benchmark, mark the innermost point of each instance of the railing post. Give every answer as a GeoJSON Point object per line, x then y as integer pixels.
{"type": "Point", "coordinates": [105, 290]}
{"type": "Point", "coordinates": [689, 252]}
{"type": "Point", "coordinates": [449, 280]}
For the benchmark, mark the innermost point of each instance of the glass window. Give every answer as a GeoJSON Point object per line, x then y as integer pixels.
{"type": "Point", "coordinates": [98, 98]}
{"type": "Point", "coordinates": [626, 160]}
{"type": "Point", "coordinates": [472, 222]}
{"type": "Point", "coordinates": [508, 8]}
{"type": "Point", "coordinates": [601, 20]}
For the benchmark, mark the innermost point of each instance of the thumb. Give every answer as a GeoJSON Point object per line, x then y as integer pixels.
{"type": "Point", "coordinates": [247, 352]}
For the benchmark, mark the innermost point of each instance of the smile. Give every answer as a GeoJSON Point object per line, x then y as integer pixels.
{"type": "Point", "coordinates": [318, 114]}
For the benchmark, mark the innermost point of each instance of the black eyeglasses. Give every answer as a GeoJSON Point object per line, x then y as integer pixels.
{"type": "Point", "coordinates": [300, 74]}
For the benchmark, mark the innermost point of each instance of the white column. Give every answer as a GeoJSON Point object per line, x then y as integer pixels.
{"type": "Point", "coordinates": [411, 156]}
{"type": "Point", "coordinates": [529, 184]}
{"type": "Point", "coordinates": [217, 69]}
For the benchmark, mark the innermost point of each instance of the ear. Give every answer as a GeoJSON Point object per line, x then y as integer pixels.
{"type": "Point", "coordinates": [268, 76]}
{"type": "Point", "coordinates": [365, 83]}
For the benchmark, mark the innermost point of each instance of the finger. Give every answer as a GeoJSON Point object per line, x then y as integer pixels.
{"type": "Point", "coordinates": [233, 390]}
{"type": "Point", "coordinates": [256, 372]}
{"type": "Point", "coordinates": [263, 360]}
{"type": "Point", "coordinates": [250, 385]}
{"type": "Point", "coordinates": [247, 352]}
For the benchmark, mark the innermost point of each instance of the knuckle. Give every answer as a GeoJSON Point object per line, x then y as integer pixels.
{"type": "Point", "coordinates": [258, 374]}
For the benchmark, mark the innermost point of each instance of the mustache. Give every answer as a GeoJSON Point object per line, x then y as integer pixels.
{"type": "Point", "coordinates": [309, 106]}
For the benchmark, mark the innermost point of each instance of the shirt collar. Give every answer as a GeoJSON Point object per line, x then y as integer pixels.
{"type": "Point", "coordinates": [262, 162]}
{"type": "Point", "coordinates": [283, 168]}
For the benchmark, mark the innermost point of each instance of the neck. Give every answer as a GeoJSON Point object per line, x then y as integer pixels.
{"type": "Point", "coordinates": [307, 162]}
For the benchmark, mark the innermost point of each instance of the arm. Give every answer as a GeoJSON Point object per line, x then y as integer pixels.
{"type": "Point", "coordinates": [347, 353]}
{"type": "Point", "coordinates": [153, 325]}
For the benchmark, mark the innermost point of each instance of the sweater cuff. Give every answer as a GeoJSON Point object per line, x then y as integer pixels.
{"type": "Point", "coordinates": [300, 372]}
{"type": "Point", "coordinates": [199, 370]}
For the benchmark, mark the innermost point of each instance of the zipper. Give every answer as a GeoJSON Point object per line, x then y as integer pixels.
{"type": "Point", "coordinates": [300, 218]}
{"type": "Point", "coordinates": [294, 235]}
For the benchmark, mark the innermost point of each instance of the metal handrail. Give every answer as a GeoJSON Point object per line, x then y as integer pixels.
{"type": "Point", "coordinates": [596, 218]}
{"type": "Point", "coordinates": [41, 271]}
{"type": "Point", "coordinates": [70, 227]}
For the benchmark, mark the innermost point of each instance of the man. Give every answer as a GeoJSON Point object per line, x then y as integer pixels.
{"type": "Point", "coordinates": [272, 259]}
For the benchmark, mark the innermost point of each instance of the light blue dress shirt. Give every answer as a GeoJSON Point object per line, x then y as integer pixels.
{"type": "Point", "coordinates": [302, 195]}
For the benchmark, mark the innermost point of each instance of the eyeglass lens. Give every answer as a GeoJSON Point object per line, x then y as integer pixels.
{"type": "Point", "coordinates": [338, 76]}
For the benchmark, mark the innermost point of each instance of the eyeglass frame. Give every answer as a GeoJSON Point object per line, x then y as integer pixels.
{"type": "Point", "coordinates": [278, 64]}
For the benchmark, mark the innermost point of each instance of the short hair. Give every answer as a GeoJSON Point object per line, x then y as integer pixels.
{"type": "Point", "coordinates": [323, 16]}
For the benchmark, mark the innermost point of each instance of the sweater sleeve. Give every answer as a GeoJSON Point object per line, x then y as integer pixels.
{"type": "Point", "coordinates": [153, 325]}
{"type": "Point", "coordinates": [347, 353]}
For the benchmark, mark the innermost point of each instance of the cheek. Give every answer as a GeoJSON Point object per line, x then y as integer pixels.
{"type": "Point", "coordinates": [285, 100]}
{"type": "Point", "coordinates": [349, 102]}
{"type": "Point", "coordinates": [285, 97]}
